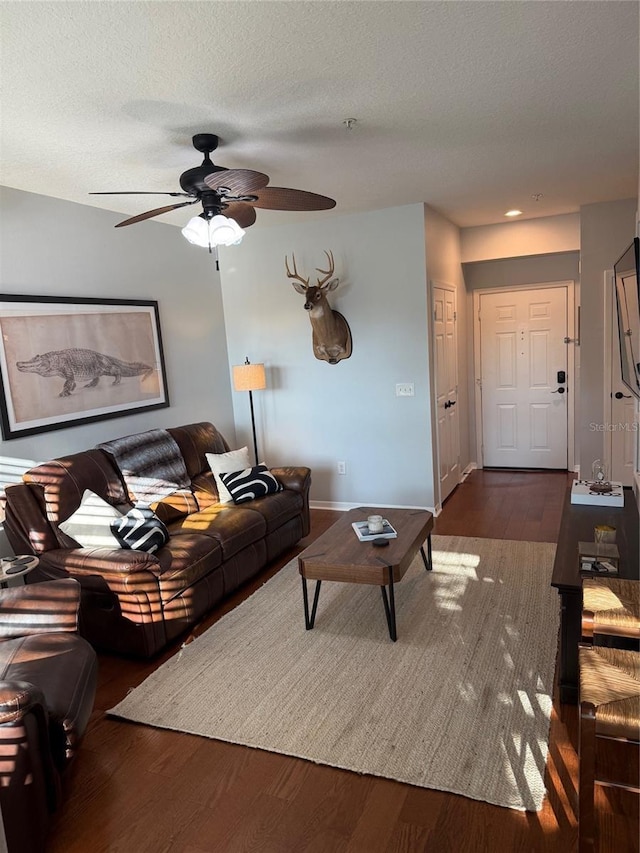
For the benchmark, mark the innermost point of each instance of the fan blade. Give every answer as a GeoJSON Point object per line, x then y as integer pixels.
{"type": "Point", "coordinates": [281, 198]}
{"type": "Point", "coordinates": [243, 213]}
{"type": "Point", "coordinates": [141, 216]}
{"type": "Point", "coordinates": [133, 192]}
{"type": "Point", "coordinates": [239, 181]}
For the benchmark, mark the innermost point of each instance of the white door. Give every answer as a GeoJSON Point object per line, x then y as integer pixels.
{"type": "Point", "coordinates": [446, 382]}
{"type": "Point", "coordinates": [523, 378]}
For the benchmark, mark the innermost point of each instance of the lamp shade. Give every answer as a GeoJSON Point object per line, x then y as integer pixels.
{"type": "Point", "coordinates": [249, 377]}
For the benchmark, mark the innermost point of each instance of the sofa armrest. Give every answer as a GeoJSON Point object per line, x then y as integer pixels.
{"type": "Point", "coordinates": [25, 523]}
{"type": "Point", "coordinates": [17, 698]}
{"type": "Point", "coordinates": [298, 479]}
{"type": "Point", "coordinates": [101, 561]}
{"type": "Point", "coordinates": [40, 608]}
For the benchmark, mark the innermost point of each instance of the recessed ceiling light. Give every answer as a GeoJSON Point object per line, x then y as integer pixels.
{"type": "Point", "coordinates": [513, 213]}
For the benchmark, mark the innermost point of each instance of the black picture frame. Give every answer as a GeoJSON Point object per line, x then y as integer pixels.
{"type": "Point", "coordinates": [58, 354]}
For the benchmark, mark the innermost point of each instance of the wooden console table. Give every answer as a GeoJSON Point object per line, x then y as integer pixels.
{"type": "Point", "coordinates": [577, 525]}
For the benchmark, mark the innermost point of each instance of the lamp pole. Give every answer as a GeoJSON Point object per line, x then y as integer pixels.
{"type": "Point", "coordinates": [253, 427]}
{"type": "Point", "coordinates": [250, 377]}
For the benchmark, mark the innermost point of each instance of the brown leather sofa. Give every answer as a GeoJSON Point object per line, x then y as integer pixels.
{"type": "Point", "coordinates": [134, 602]}
{"type": "Point", "coordinates": [47, 689]}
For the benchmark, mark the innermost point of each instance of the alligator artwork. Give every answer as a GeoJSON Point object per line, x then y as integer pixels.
{"type": "Point", "coordinates": [78, 364]}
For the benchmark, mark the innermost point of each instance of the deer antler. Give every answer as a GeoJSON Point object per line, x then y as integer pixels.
{"type": "Point", "coordinates": [327, 273]}
{"type": "Point", "coordinates": [295, 275]}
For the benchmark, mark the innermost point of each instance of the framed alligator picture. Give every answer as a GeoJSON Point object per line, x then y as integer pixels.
{"type": "Point", "coordinates": [66, 361]}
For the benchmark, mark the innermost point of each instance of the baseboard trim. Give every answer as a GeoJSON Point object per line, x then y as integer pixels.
{"type": "Point", "coordinates": [337, 506]}
{"type": "Point", "coordinates": [472, 466]}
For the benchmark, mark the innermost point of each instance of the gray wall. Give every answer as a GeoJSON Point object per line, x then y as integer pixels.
{"type": "Point", "coordinates": [515, 272]}
{"type": "Point", "coordinates": [314, 413]}
{"type": "Point", "coordinates": [57, 248]}
{"type": "Point", "coordinates": [606, 230]}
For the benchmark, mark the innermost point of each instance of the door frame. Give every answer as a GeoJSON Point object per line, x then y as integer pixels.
{"type": "Point", "coordinates": [573, 339]}
{"type": "Point", "coordinates": [609, 316]}
{"type": "Point", "coordinates": [434, 283]}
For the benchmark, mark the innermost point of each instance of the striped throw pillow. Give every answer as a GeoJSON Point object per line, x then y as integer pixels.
{"type": "Point", "coordinates": [250, 483]}
{"type": "Point", "coordinates": [140, 530]}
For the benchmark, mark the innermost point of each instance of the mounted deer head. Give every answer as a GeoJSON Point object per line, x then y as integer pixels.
{"type": "Point", "coordinates": [331, 333]}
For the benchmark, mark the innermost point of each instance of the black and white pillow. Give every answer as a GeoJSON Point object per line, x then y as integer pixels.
{"type": "Point", "coordinates": [250, 483]}
{"type": "Point", "coordinates": [140, 530]}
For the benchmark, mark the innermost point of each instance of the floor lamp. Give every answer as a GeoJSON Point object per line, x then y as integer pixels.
{"type": "Point", "coordinates": [250, 377]}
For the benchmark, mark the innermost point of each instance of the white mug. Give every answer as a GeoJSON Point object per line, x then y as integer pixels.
{"type": "Point", "coordinates": [375, 524]}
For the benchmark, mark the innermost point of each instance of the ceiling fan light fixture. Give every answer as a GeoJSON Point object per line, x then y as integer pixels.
{"type": "Point", "coordinates": [225, 231]}
{"type": "Point", "coordinates": [196, 231]}
{"type": "Point", "coordinates": [217, 231]}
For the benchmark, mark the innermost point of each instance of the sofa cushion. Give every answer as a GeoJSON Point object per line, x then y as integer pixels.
{"type": "Point", "coordinates": [176, 505]}
{"type": "Point", "coordinates": [222, 463]}
{"type": "Point", "coordinates": [278, 509]}
{"type": "Point", "coordinates": [205, 490]}
{"type": "Point", "coordinates": [251, 483]}
{"type": "Point", "coordinates": [90, 524]}
{"type": "Point", "coordinates": [194, 440]}
{"type": "Point", "coordinates": [151, 464]}
{"type": "Point", "coordinates": [64, 481]}
{"type": "Point", "coordinates": [185, 559]}
{"type": "Point", "coordinates": [140, 530]}
{"type": "Point", "coordinates": [233, 527]}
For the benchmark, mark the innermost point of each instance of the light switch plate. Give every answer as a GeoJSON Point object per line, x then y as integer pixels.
{"type": "Point", "coordinates": [404, 389]}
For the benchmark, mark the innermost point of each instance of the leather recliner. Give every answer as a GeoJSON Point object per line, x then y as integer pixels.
{"type": "Point", "coordinates": [48, 676]}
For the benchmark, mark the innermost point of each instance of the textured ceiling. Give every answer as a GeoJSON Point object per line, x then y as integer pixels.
{"type": "Point", "coordinates": [471, 107]}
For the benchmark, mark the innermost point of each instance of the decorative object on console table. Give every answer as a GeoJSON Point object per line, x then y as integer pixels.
{"type": "Point", "coordinates": [250, 377]}
{"type": "Point", "coordinates": [66, 361]}
{"type": "Point", "coordinates": [583, 492]}
{"type": "Point", "coordinates": [598, 558]}
{"type": "Point", "coordinates": [599, 481]}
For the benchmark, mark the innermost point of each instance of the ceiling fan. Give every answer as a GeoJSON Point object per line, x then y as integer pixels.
{"type": "Point", "coordinates": [230, 195]}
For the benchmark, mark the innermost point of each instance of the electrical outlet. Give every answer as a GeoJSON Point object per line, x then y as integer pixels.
{"type": "Point", "coordinates": [342, 467]}
{"type": "Point", "coordinates": [404, 389]}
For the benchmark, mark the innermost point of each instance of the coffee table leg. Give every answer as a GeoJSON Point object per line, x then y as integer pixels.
{"type": "Point", "coordinates": [390, 607]}
{"type": "Point", "coordinates": [428, 561]}
{"type": "Point", "coordinates": [309, 621]}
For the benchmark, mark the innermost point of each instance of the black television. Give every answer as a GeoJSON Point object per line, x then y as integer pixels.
{"type": "Point", "coordinates": [627, 284]}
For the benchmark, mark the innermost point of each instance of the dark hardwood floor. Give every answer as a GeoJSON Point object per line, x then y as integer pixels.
{"type": "Point", "coordinates": [135, 788]}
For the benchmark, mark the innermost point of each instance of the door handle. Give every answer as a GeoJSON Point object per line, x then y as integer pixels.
{"type": "Point", "coordinates": [619, 396]}
{"type": "Point", "coordinates": [559, 391]}
{"type": "Point", "coordinates": [449, 404]}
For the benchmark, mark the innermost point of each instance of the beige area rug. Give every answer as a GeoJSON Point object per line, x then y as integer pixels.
{"type": "Point", "coordinates": [461, 702]}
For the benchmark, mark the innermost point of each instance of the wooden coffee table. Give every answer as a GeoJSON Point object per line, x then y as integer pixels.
{"type": "Point", "coordinates": [338, 555]}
